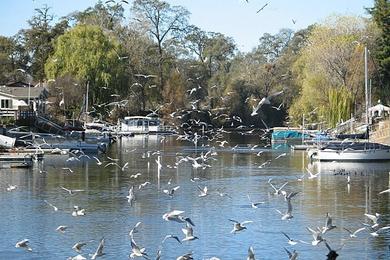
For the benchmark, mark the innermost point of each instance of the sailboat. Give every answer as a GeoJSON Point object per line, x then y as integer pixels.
{"type": "Point", "coordinates": [353, 151]}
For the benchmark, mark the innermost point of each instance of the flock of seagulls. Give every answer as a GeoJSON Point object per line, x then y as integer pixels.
{"type": "Point", "coordinates": [207, 142]}
{"type": "Point", "coordinates": [374, 226]}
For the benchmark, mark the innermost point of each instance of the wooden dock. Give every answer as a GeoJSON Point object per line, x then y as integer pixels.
{"type": "Point", "coordinates": [16, 160]}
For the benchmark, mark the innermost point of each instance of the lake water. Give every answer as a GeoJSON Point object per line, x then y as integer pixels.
{"type": "Point", "coordinates": [24, 214]}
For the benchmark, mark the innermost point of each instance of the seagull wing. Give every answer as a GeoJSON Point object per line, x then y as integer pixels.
{"type": "Point", "coordinates": [372, 217]}
{"type": "Point", "coordinates": [273, 186]}
{"type": "Point", "coordinates": [289, 207]}
{"type": "Point", "coordinates": [175, 212]}
{"type": "Point", "coordinates": [288, 252]}
{"type": "Point", "coordinates": [286, 235]}
{"type": "Point", "coordinates": [281, 187]}
{"type": "Point", "coordinates": [99, 250]}
{"type": "Point", "coordinates": [358, 230]}
{"type": "Point", "coordinates": [349, 231]}
{"type": "Point", "coordinates": [251, 254]}
{"type": "Point", "coordinates": [327, 246]}
{"type": "Point", "coordinates": [312, 231]}
{"type": "Point", "coordinates": [65, 189]}
{"type": "Point", "coordinates": [385, 191]}
{"type": "Point", "coordinates": [275, 94]}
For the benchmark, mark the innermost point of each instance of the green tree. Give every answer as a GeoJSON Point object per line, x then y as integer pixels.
{"type": "Point", "coordinates": [89, 55]}
{"type": "Point", "coordinates": [106, 16]}
{"type": "Point", "coordinates": [38, 39]}
{"type": "Point", "coordinates": [13, 56]}
{"type": "Point", "coordinates": [272, 46]}
{"type": "Point", "coordinates": [332, 60]}
{"type": "Point", "coordinates": [381, 15]}
{"type": "Point", "coordinates": [341, 102]}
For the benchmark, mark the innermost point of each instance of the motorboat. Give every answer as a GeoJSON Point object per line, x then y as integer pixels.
{"type": "Point", "coordinates": [350, 151]}
{"type": "Point", "coordinates": [7, 142]}
{"type": "Point", "coordinates": [142, 125]}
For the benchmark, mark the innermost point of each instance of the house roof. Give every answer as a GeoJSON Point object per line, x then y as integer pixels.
{"type": "Point", "coordinates": [20, 84]}
{"type": "Point", "coordinates": [22, 92]}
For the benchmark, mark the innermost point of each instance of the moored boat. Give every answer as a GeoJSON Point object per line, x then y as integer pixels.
{"type": "Point", "coordinates": [142, 125]}
{"type": "Point", "coordinates": [16, 160]}
{"type": "Point", "coordinates": [351, 151]}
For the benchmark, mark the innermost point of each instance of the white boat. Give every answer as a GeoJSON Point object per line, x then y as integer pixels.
{"type": "Point", "coordinates": [7, 142]}
{"type": "Point", "coordinates": [351, 168]}
{"type": "Point", "coordinates": [142, 125]}
{"type": "Point", "coordinates": [351, 151]}
{"type": "Point", "coordinates": [49, 142]}
{"type": "Point", "coordinates": [73, 144]}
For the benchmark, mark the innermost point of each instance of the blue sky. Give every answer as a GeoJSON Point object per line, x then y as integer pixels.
{"type": "Point", "coordinates": [235, 18]}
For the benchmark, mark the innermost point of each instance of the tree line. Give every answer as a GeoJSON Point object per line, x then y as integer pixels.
{"type": "Point", "coordinates": [154, 61]}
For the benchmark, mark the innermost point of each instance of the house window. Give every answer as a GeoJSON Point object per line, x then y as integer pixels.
{"type": "Point", "coordinates": [6, 103]}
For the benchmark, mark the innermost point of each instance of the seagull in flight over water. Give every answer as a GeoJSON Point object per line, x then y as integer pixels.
{"type": "Point", "coordinates": [99, 250]}
{"type": "Point", "coordinates": [24, 244]}
{"type": "Point", "coordinates": [71, 192]}
{"type": "Point", "coordinates": [176, 215]}
{"type": "Point", "coordinates": [237, 226]}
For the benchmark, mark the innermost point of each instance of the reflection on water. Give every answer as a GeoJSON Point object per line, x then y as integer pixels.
{"type": "Point", "coordinates": [235, 172]}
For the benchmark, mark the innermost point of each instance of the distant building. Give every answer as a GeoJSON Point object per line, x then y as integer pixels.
{"type": "Point", "coordinates": [21, 96]}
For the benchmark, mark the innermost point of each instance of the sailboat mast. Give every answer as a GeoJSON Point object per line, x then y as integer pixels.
{"type": "Point", "coordinates": [86, 99]}
{"type": "Point", "coordinates": [86, 106]}
{"type": "Point", "coordinates": [366, 82]}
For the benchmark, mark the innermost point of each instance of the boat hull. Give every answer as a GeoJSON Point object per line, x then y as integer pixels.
{"type": "Point", "coordinates": [7, 142]}
{"type": "Point", "coordinates": [350, 155]}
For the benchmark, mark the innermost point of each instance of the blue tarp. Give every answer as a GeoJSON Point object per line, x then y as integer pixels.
{"type": "Point", "coordinates": [288, 134]}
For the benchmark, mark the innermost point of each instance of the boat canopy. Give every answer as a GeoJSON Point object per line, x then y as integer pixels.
{"type": "Point", "coordinates": [378, 110]}
{"type": "Point", "coordinates": [288, 134]}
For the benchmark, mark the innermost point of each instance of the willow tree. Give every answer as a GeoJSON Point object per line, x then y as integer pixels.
{"type": "Point", "coordinates": [89, 55]}
{"type": "Point", "coordinates": [333, 59]}
{"type": "Point", "coordinates": [340, 105]}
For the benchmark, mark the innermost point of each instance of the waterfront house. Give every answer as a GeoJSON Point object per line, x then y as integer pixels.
{"type": "Point", "coordinates": [18, 96]}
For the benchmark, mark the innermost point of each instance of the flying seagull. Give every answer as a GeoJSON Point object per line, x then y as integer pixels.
{"type": "Point", "coordinates": [171, 236]}
{"type": "Point", "coordinates": [187, 256]}
{"type": "Point", "coordinates": [254, 204]}
{"type": "Point", "coordinates": [251, 254]}
{"type": "Point", "coordinates": [290, 241]}
{"type": "Point", "coordinates": [51, 205]}
{"type": "Point", "coordinates": [145, 76]}
{"type": "Point", "coordinates": [24, 244]}
{"type": "Point", "coordinates": [99, 250]}
{"type": "Point", "coordinates": [262, 8]}
{"type": "Point", "coordinates": [291, 255]}
{"type": "Point", "coordinates": [237, 226]}
{"type": "Point", "coordinates": [176, 215]}
{"type": "Point", "coordinates": [189, 233]}
{"type": "Point", "coordinates": [171, 192]}
{"type": "Point", "coordinates": [77, 247]}
{"type": "Point", "coordinates": [134, 229]}
{"type": "Point", "coordinates": [317, 238]}
{"type": "Point", "coordinates": [353, 234]}
{"type": "Point", "coordinates": [328, 224]}
{"type": "Point", "coordinates": [71, 192]}
{"type": "Point", "coordinates": [137, 251]}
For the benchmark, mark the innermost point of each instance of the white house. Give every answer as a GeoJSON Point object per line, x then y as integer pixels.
{"type": "Point", "coordinates": [19, 95]}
